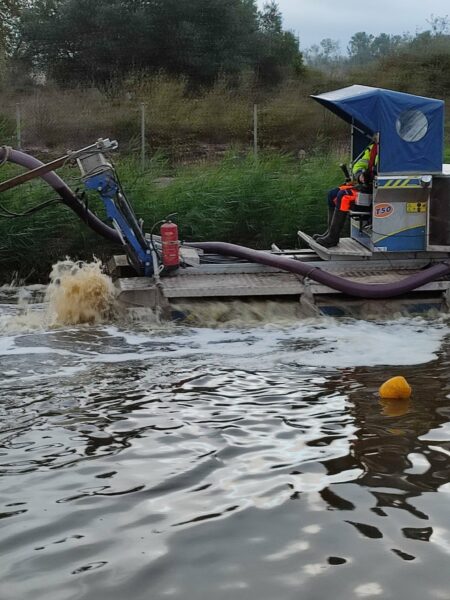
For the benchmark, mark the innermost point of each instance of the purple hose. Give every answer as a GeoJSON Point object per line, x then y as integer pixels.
{"type": "Point", "coordinates": [68, 197]}
{"type": "Point", "coordinates": [351, 288]}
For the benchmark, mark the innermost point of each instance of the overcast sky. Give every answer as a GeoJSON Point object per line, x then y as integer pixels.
{"type": "Point", "coordinates": [313, 20]}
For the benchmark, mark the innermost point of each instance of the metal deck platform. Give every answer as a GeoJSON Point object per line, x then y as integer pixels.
{"type": "Point", "coordinates": [211, 276]}
{"type": "Point", "coordinates": [142, 291]}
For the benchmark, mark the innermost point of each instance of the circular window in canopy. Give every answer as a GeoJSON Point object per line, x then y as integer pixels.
{"type": "Point", "coordinates": [412, 125]}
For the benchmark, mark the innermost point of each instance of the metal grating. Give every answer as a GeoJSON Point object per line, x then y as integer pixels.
{"type": "Point", "coordinates": [231, 284]}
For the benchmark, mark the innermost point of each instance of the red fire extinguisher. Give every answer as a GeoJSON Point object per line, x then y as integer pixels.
{"type": "Point", "coordinates": [170, 245]}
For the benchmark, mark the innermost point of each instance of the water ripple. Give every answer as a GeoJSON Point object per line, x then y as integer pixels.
{"type": "Point", "coordinates": [140, 464]}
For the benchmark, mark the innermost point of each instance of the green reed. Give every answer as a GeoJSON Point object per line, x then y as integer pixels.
{"type": "Point", "coordinates": [239, 199]}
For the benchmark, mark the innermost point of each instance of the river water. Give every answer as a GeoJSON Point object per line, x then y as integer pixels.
{"type": "Point", "coordinates": [246, 460]}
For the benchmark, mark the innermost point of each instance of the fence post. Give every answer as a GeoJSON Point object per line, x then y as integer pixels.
{"type": "Point", "coordinates": [142, 135]}
{"type": "Point", "coordinates": [255, 131]}
{"type": "Point", "coordinates": [18, 127]}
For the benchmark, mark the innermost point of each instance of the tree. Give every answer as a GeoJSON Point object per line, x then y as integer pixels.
{"type": "Point", "coordinates": [198, 38]}
{"type": "Point", "coordinates": [385, 44]}
{"type": "Point", "coordinates": [270, 19]}
{"type": "Point", "coordinates": [360, 48]}
{"type": "Point", "coordinates": [439, 25]}
{"type": "Point", "coordinates": [278, 50]}
{"type": "Point", "coordinates": [9, 11]}
{"type": "Point", "coordinates": [325, 55]}
{"type": "Point", "coordinates": [9, 14]}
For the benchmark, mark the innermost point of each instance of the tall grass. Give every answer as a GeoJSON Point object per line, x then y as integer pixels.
{"type": "Point", "coordinates": [240, 200]}
{"type": "Point", "coordinates": [182, 123]}
{"type": "Point", "coordinates": [243, 200]}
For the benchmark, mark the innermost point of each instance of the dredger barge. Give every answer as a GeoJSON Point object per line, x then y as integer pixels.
{"type": "Point", "coordinates": [399, 244]}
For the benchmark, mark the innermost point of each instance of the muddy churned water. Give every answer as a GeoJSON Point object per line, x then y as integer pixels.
{"type": "Point", "coordinates": [236, 461]}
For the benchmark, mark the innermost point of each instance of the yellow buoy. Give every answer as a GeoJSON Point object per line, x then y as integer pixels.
{"type": "Point", "coordinates": [395, 388]}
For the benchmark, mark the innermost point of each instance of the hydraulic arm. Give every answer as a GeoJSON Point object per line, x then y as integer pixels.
{"type": "Point", "coordinates": [99, 175]}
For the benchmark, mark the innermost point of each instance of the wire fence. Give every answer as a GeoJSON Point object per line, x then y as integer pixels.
{"type": "Point", "coordinates": [32, 128]}
{"type": "Point", "coordinates": [51, 121]}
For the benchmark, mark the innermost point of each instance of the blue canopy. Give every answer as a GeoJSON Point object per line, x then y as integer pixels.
{"type": "Point", "coordinates": [411, 127]}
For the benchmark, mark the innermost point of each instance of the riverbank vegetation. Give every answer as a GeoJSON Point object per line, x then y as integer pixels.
{"type": "Point", "coordinates": [238, 199]}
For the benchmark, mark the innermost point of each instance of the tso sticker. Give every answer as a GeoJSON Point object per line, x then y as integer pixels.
{"type": "Point", "coordinates": [383, 210]}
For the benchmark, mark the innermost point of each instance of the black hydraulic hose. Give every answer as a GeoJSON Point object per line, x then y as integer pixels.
{"type": "Point", "coordinates": [351, 288]}
{"type": "Point", "coordinates": [66, 194]}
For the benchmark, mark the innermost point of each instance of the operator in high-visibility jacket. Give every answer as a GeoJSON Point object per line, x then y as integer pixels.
{"type": "Point", "coordinates": [342, 198]}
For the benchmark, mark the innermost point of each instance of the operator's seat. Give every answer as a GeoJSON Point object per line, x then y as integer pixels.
{"type": "Point", "coordinates": [362, 209]}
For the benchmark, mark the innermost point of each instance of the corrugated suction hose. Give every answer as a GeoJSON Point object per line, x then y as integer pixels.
{"type": "Point", "coordinates": [351, 288]}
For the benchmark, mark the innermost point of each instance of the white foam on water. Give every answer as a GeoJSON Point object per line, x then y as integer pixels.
{"type": "Point", "coordinates": [62, 372]}
{"type": "Point", "coordinates": [364, 343]}
{"type": "Point", "coordinates": [30, 319]}
{"type": "Point", "coordinates": [314, 342]}
{"type": "Point", "coordinates": [321, 342]}
{"type": "Point", "coordinates": [18, 350]}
